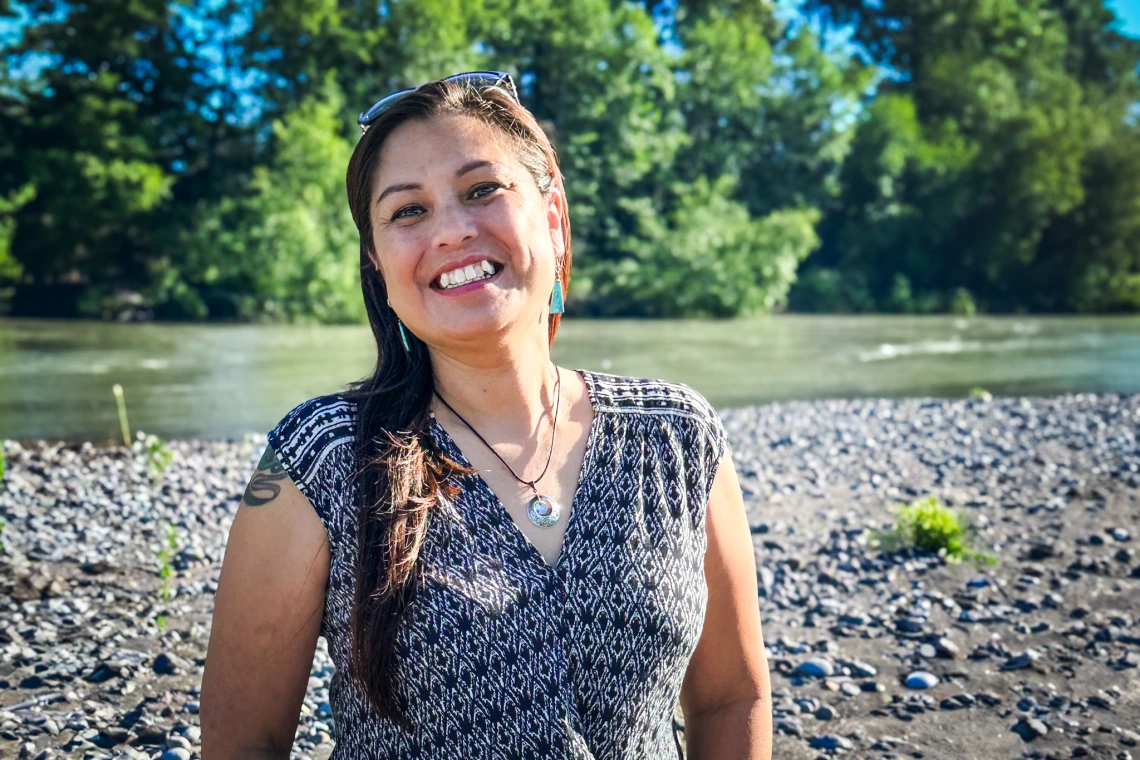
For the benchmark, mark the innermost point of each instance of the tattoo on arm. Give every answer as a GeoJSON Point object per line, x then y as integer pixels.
{"type": "Point", "coordinates": [265, 485]}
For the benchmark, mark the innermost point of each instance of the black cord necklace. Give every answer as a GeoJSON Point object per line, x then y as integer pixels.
{"type": "Point", "coordinates": [542, 510]}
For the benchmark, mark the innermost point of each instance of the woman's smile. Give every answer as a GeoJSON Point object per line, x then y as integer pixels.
{"type": "Point", "coordinates": [468, 287]}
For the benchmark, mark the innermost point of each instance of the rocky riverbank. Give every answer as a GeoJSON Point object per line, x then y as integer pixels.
{"type": "Point", "coordinates": [872, 655]}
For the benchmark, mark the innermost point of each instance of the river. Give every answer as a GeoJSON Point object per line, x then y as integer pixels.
{"type": "Point", "coordinates": [221, 381]}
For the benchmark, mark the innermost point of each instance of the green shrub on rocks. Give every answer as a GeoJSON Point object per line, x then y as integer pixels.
{"type": "Point", "coordinates": [981, 394]}
{"type": "Point", "coordinates": [158, 454]}
{"type": "Point", "coordinates": [929, 525]}
{"type": "Point", "coordinates": [165, 570]}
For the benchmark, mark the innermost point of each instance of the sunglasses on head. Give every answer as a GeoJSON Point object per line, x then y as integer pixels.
{"type": "Point", "coordinates": [483, 78]}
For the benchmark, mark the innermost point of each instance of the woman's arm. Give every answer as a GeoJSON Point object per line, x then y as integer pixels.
{"type": "Point", "coordinates": [726, 696]}
{"type": "Point", "coordinates": [267, 615]}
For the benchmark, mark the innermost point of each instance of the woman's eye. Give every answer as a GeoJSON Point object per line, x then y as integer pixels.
{"type": "Point", "coordinates": [485, 186]}
{"type": "Point", "coordinates": [400, 214]}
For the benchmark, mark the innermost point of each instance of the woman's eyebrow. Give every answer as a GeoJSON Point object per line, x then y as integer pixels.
{"type": "Point", "coordinates": [467, 167]}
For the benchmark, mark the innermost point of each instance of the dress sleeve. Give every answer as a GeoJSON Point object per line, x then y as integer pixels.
{"type": "Point", "coordinates": [709, 446]}
{"type": "Point", "coordinates": [308, 441]}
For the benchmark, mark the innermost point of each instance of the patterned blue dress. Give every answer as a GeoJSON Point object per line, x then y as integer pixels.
{"type": "Point", "coordinates": [501, 655]}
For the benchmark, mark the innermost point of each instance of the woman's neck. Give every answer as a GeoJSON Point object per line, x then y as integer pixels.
{"type": "Point", "coordinates": [505, 400]}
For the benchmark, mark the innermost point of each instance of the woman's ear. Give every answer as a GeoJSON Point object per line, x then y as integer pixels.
{"type": "Point", "coordinates": [554, 205]}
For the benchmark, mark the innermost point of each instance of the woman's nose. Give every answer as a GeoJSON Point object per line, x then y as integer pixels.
{"type": "Point", "coordinates": [454, 226]}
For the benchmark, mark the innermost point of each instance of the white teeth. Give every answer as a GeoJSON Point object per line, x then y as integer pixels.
{"type": "Point", "coordinates": [466, 274]}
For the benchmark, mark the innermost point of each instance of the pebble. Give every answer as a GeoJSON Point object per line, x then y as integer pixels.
{"type": "Point", "coordinates": [921, 679]}
{"type": "Point", "coordinates": [946, 648]}
{"type": "Point", "coordinates": [1021, 661]}
{"type": "Point", "coordinates": [831, 741]}
{"type": "Point", "coordinates": [789, 726]}
{"type": "Point", "coordinates": [816, 667]}
{"type": "Point", "coordinates": [1030, 729]}
{"type": "Point", "coordinates": [910, 625]}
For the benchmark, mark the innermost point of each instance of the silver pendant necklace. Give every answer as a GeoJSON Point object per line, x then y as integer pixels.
{"type": "Point", "coordinates": [542, 510]}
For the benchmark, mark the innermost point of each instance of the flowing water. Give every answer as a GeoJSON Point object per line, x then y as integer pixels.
{"type": "Point", "coordinates": [210, 381]}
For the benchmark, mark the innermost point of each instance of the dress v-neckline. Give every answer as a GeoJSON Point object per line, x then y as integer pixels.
{"type": "Point", "coordinates": [512, 527]}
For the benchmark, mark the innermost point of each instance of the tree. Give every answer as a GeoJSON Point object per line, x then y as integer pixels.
{"type": "Point", "coordinates": [971, 169]}
{"type": "Point", "coordinates": [121, 125]}
{"type": "Point", "coordinates": [287, 247]}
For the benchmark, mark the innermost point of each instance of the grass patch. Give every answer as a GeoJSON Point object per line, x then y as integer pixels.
{"type": "Point", "coordinates": [981, 393]}
{"type": "Point", "coordinates": [929, 525]}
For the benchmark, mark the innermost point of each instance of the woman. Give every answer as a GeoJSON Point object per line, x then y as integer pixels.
{"type": "Point", "coordinates": [508, 559]}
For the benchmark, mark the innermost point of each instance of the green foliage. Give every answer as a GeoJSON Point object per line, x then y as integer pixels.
{"type": "Point", "coordinates": [157, 452]}
{"type": "Point", "coordinates": [962, 303]}
{"type": "Point", "coordinates": [166, 551]}
{"type": "Point", "coordinates": [980, 393]}
{"type": "Point", "coordinates": [708, 257]}
{"type": "Point", "coordinates": [1003, 162]}
{"type": "Point", "coordinates": [288, 245]}
{"type": "Point", "coordinates": [2, 526]}
{"type": "Point", "coordinates": [10, 268]}
{"type": "Point", "coordinates": [929, 525]}
{"type": "Point", "coordinates": [718, 162]}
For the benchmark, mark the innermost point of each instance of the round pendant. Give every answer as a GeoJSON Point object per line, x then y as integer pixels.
{"type": "Point", "coordinates": [543, 511]}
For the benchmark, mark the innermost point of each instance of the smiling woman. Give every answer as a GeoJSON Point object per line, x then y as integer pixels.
{"type": "Point", "coordinates": [508, 558]}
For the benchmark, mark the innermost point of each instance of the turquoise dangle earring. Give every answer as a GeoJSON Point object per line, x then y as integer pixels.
{"type": "Point", "coordinates": [556, 299]}
{"type": "Point", "coordinates": [404, 336]}
{"type": "Point", "coordinates": [403, 332]}
{"type": "Point", "coordinates": [556, 305]}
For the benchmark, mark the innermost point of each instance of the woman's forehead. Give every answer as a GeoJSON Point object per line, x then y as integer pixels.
{"type": "Point", "coordinates": [419, 147]}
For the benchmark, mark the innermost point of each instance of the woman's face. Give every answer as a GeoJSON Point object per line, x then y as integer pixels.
{"type": "Point", "coordinates": [449, 191]}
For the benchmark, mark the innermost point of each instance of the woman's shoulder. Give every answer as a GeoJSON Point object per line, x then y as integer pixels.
{"type": "Point", "coordinates": [317, 422]}
{"type": "Point", "coordinates": [653, 396]}
{"type": "Point", "coordinates": [632, 393]}
{"type": "Point", "coordinates": [314, 434]}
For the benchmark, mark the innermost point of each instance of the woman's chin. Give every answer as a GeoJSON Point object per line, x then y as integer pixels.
{"type": "Point", "coordinates": [474, 327]}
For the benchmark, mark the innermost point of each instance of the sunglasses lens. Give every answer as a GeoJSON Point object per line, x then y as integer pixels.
{"type": "Point", "coordinates": [490, 78]}
{"type": "Point", "coordinates": [370, 115]}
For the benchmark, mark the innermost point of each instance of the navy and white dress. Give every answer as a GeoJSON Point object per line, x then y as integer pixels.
{"type": "Point", "coordinates": [502, 655]}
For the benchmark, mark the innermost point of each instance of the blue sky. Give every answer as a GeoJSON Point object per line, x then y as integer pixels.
{"type": "Point", "coordinates": [1128, 11]}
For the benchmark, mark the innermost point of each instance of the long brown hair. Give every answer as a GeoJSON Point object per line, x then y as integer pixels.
{"type": "Point", "coordinates": [400, 473]}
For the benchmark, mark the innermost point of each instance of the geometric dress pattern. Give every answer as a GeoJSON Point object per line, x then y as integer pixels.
{"type": "Point", "coordinates": [502, 656]}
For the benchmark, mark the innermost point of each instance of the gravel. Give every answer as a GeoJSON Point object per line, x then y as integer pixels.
{"type": "Point", "coordinates": [1034, 657]}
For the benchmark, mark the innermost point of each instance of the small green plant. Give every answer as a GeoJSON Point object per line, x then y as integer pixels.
{"type": "Point", "coordinates": [2, 524]}
{"type": "Point", "coordinates": [164, 554]}
{"type": "Point", "coordinates": [981, 393]}
{"type": "Point", "coordinates": [930, 525]}
{"type": "Point", "coordinates": [158, 454]}
{"type": "Point", "coordinates": [1, 460]}
{"type": "Point", "coordinates": [121, 402]}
